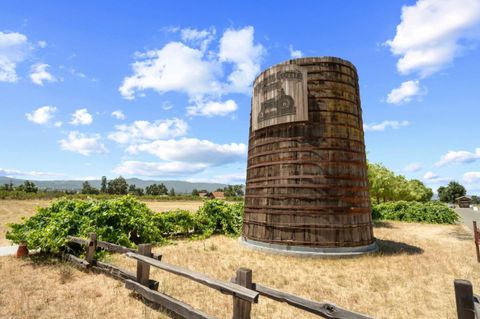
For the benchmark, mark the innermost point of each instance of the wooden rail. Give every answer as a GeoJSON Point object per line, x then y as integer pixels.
{"type": "Point", "coordinates": [241, 287]}
{"type": "Point", "coordinates": [476, 236]}
{"type": "Point", "coordinates": [223, 287]}
{"type": "Point", "coordinates": [468, 306]}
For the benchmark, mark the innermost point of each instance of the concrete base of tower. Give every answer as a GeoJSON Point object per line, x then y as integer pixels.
{"type": "Point", "coordinates": [306, 251]}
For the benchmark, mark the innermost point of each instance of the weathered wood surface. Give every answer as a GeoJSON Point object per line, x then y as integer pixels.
{"type": "Point", "coordinates": [242, 309]}
{"type": "Point", "coordinates": [464, 299]}
{"type": "Point", "coordinates": [476, 236]}
{"type": "Point", "coordinates": [120, 274]}
{"type": "Point", "coordinates": [77, 261]}
{"type": "Point", "coordinates": [325, 310]}
{"type": "Point", "coordinates": [91, 247]}
{"type": "Point", "coordinates": [312, 172]}
{"type": "Point", "coordinates": [114, 248]}
{"type": "Point", "coordinates": [143, 268]}
{"type": "Point", "coordinates": [224, 287]}
{"type": "Point", "coordinates": [171, 304]}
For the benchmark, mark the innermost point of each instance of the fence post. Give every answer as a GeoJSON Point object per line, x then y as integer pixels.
{"type": "Point", "coordinates": [242, 308]}
{"type": "Point", "coordinates": [464, 299]}
{"type": "Point", "coordinates": [476, 237]}
{"type": "Point", "coordinates": [143, 269]}
{"type": "Point", "coordinates": [92, 246]}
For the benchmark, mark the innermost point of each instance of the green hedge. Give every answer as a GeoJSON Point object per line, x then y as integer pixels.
{"type": "Point", "coordinates": [124, 221]}
{"type": "Point", "coordinates": [429, 212]}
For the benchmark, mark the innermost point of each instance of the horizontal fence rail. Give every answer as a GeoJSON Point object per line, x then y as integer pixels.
{"type": "Point", "coordinates": [223, 287]}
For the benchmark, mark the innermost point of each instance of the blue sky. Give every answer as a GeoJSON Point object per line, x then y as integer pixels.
{"type": "Point", "coordinates": [162, 89]}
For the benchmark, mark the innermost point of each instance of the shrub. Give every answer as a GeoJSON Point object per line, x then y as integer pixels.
{"type": "Point", "coordinates": [430, 212]}
{"type": "Point", "coordinates": [124, 221]}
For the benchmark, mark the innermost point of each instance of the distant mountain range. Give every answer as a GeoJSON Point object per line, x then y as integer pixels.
{"type": "Point", "coordinates": [179, 186]}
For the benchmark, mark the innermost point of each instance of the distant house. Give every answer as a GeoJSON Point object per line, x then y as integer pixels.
{"type": "Point", "coordinates": [463, 201]}
{"type": "Point", "coordinates": [203, 194]}
{"type": "Point", "coordinates": [218, 195]}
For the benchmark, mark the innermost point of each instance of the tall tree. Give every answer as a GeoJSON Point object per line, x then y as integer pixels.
{"type": "Point", "coordinates": [28, 187]}
{"type": "Point", "coordinates": [88, 189]}
{"type": "Point", "coordinates": [117, 186]}
{"type": "Point", "coordinates": [103, 187]}
{"type": "Point", "coordinates": [450, 193]}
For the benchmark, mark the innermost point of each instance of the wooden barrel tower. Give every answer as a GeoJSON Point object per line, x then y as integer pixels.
{"type": "Point", "coordinates": [307, 184]}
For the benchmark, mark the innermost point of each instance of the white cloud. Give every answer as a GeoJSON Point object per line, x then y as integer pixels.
{"type": "Point", "coordinates": [471, 177]}
{"type": "Point", "coordinates": [14, 48]}
{"type": "Point", "coordinates": [431, 33]}
{"type": "Point", "coordinates": [211, 108]}
{"type": "Point", "coordinates": [83, 143]}
{"type": "Point", "coordinates": [81, 117]}
{"type": "Point", "coordinates": [42, 44]}
{"type": "Point", "coordinates": [118, 114]}
{"type": "Point", "coordinates": [430, 175]}
{"type": "Point", "coordinates": [42, 115]}
{"type": "Point", "coordinates": [405, 92]}
{"type": "Point", "coordinates": [198, 37]}
{"type": "Point", "coordinates": [295, 54]}
{"type": "Point", "coordinates": [58, 124]}
{"type": "Point", "coordinates": [39, 74]}
{"type": "Point", "coordinates": [175, 67]}
{"type": "Point", "coordinates": [199, 73]}
{"type": "Point", "coordinates": [458, 157]}
{"type": "Point", "coordinates": [140, 131]}
{"type": "Point", "coordinates": [192, 150]}
{"type": "Point", "coordinates": [233, 178]}
{"type": "Point", "coordinates": [238, 47]}
{"type": "Point", "coordinates": [158, 169]}
{"type": "Point", "coordinates": [13, 173]}
{"type": "Point", "coordinates": [384, 125]}
{"type": "Point", "coordinates": [413, 167]}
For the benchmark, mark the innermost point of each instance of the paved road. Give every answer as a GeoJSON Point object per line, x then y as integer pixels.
{"type": "Point", "coordinates": [468, 216]}
{"type": "Point", "coordinates": [8, 250]}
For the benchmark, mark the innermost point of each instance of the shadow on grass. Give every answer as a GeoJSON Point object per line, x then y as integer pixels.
{"type": "Point", "coordinates": [390, 247]}
{"type": "Point", "coordinates": [382, 224]}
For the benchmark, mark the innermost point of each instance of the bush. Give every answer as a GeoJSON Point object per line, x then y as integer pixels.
{"type": "Point", "coordinates": [124, 221]}
{"type": "Point", "coordinates": [430, 212]}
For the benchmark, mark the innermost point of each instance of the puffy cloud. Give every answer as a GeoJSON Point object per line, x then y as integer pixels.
{"type": "Point", "coordinates": [295, 54]}
{"type": "Point", "coordinates": [175, 67]}
{"type": "Point", "coordinates": [42, 44]}
{"type": "Point", "coordinates": [384, 125]}
{"type": "Point", "coordinates": [471, 177]}
{"type": "Point", "coordinates": [158, 169]}
{"type": "Point", "coordinates": [118, 114]}
{"type": "Point", "coordinates": [430, 33]}
{"type": "Point", "coordinates": [140, 131]}
{"type": "Point", "coordinates": [192, 150]}
{"type": "Point", "coordinates": [39, 74]}
{"type": "Point", "coordinates": [458, 157]}
{"type": "Point", "coordinates": [42, 115]}
{"type": "Point", "coordinates": [413, 167]}
{"type": "Point", "coordinates": [198, 37]}
{"type": "Point", "coordinates": [199, 73]}
{"type": "Point", "coordinates": [83, 143]}
{"type": "Point", "coordinates": [238, 47]}
{"type": "Point", "coordinates": [431, 178]}
{"type": "Point", "coordinates": [81, 117]}
{"type": "Point", "coordinates": [405, 92]}
{"type": "Point", "coordinates": [211, 108]}
{"type": "Point", "coordinates": [14, 48]}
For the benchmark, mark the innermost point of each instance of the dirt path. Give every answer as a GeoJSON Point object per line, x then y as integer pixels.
{"type": "Point", "coordinates": [468, 215]}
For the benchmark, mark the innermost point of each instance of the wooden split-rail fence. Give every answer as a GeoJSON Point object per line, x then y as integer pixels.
{"type": "Point", "coordinates": [244, 291]}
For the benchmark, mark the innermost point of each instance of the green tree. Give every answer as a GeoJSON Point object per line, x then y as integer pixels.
{"type": "Point", "coordinates": [475, 200]}
{"type": "Point", "coordinates": [172, 192]}
{"type": "Point", "coordinates": [88, 189]}
{"type": "Point", "coordinates": [7, 187]}
{"type": "Point", "coordinates": [156, 189]}
{"type": "Point", "coordinates": [134, 190]}
{"type": "Point", "coordinates": [117, 186]}
{"type": "Point", "coordinates": [195, 192]}
{"type": "Point", "coordinates": [28, 187]}
{"type": "Point", "coordinates": [103, 187]}
{"type": "Point", "coordinates": [451, 192]}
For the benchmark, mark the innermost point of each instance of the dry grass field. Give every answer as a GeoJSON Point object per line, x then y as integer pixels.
{"type": "Point", "coordinates": [411, 277]}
